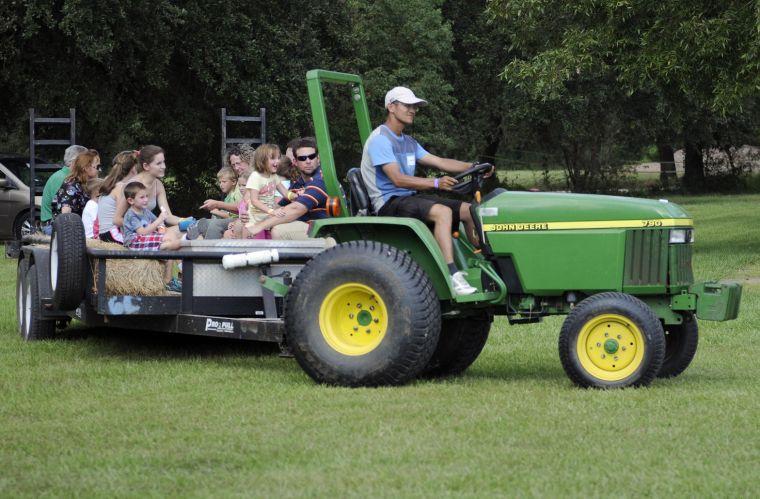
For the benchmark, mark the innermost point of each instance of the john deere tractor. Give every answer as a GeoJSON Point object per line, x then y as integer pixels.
{"type": "Point", "coordinates": [378, 308]}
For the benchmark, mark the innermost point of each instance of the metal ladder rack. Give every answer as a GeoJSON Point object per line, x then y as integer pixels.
{"type": "Point", "coordinates": [261, 118]}
{"type": "Point", "coordinates": [34, 120]}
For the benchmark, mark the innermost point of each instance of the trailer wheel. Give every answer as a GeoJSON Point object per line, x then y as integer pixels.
{"type": "Point", "coordinates": [68, 261]}
{"type": "Point", "coordinates": [680, 346]}
{"type": "Point", "coordinates": [460, 343]}
{"type": "Point", "coordinates": [21, 270]}
{"type": "Point", "coordinates": [362, 314]}
{"type": "Point", "coordinates": [612, 340]}
{"type": "Point", "coordinates": [35, 327]}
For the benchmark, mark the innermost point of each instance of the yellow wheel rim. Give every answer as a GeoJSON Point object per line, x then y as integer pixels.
{"type": "Point", "coordinates": [353, 319]}
{"type": "Point", "coordinates": [610, 347]}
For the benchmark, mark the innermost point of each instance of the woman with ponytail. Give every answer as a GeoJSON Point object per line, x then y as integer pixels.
{"type": "Point", "coordinates": [124, 166]}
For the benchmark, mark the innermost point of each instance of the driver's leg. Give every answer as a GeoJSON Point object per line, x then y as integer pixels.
{"type": "Point", "coordinates": [469, 226]}
{"type": "Point", "coordinates": [441, 215]}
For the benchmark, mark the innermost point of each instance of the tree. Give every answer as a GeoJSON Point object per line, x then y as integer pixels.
{"type": "Point", "coordinates": [688, 68]}
{"type": "Point", "coordinates": [157, 71]}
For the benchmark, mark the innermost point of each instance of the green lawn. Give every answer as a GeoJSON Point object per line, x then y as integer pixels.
{"type": "Point", "coordinates": [104, 412]}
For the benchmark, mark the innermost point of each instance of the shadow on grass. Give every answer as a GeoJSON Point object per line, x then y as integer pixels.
{"type": "Point", "coordinates": [132, 344]}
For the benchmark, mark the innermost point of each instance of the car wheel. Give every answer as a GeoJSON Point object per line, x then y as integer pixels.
{"type": "Point", "coordinates": [22, 225]}
{"type": "Point", "coordinates": [612, 340]}
{"type": "Point", "coordinates": [362, 314]}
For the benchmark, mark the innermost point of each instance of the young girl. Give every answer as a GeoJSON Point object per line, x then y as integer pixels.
{"type": "Point", "coordinates": [262, 185]}
{"type": "Point", "coordinates": [90, 212]}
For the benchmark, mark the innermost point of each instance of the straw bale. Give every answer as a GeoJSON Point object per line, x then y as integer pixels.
{"type": "Point", "coordinates": [129, 277]}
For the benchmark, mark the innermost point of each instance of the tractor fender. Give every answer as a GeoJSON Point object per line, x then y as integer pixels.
{"type": "Point", "coordinates": [407, 234]}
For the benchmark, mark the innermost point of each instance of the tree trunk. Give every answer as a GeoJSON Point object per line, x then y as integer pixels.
{"type": "Point", "coordinates": [694, 167]}
{"type": "Point", "coordinates": [668, 174]}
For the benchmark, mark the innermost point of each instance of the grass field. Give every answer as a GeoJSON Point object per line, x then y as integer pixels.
{"type": "Point", "coordinates": [120, 413]}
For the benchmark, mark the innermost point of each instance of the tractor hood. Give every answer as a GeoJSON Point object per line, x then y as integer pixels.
{"type": "Point", "coordinates": [558, 209]}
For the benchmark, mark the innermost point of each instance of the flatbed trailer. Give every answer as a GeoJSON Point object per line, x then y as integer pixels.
{"type": "Point", "coordinates": [243, 303]}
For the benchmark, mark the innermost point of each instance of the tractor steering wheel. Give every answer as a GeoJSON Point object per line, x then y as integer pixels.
{"type": "Point", "coordinates": [476, 173]}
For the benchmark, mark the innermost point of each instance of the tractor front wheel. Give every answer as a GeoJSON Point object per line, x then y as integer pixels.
{"type": "Point", "coordinates": [612, 340]}
{"type": "Point", "coordinates": [362, 314]}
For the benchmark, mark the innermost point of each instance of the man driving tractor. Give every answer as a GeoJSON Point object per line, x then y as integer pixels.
{"type": "Point", "coordinates": [388, 165]}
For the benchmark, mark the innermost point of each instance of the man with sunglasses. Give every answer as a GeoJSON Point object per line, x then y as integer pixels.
{"type": "Point", "coordinates": [307, 198]}
{"type": "Point", "coordinates": [388, 165]}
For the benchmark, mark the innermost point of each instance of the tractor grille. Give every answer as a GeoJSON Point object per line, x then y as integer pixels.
{"type": "Point", "coordinates": [680, 265]}
{"type": "Point", "coordinates": [646, 257]}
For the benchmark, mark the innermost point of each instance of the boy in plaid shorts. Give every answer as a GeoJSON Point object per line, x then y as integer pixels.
{"type": "Point", "coordinates": [144, 231]}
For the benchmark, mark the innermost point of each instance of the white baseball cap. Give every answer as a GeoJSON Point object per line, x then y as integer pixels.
{"type": "Point", "coordinates": [403, 95]}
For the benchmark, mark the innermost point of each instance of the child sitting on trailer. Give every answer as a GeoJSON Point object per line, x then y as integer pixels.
{"type": "Point", "coordinates": [90, 212]}
{"type": "Point", "coordinates": [145, 231]}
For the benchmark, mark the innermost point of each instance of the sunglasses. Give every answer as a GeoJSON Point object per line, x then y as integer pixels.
{"type": "Point", "coordinates": [308, 156]}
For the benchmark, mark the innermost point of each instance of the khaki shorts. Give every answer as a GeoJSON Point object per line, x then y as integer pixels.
{"type": "Point", "coordinates": [291, 231]}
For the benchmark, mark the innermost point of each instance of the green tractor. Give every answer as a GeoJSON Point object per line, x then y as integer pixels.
{"type": "Point", "coordinates": [377, 309]}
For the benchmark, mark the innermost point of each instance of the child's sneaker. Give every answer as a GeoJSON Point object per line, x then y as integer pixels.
{"type": "Point", "coordinates": [174, 285]}
{"type": "Point", "coordinates": [197, 229]}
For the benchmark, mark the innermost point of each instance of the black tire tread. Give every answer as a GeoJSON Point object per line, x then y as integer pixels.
{"type": "Point", "coordinates": [426, 318]}
{"type": "Point", "coordinates": [461, 342]}
{"type": "Point", "coordinates": [39, 327]}
{"type": "Point", "coordinates": [21, 270]}
{"type": "Point", "coordinates": [72, 264]}
{"type": "Point", "coordinates": [681, 343]}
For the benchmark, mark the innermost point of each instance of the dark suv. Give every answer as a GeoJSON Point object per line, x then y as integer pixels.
{"type": "Point", "coordinates": [14, 195]}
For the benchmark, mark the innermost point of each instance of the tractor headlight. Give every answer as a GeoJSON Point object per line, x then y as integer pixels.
{"type": "Point", "coordinates": [681, 236]}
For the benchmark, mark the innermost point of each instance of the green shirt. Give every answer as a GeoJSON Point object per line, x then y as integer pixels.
{"type": "Point", "coordinates": [54, 182]}
{"type": "Point", "coordinates": [234, 197]}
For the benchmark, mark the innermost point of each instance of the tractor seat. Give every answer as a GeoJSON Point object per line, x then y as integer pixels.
{"type": "Point", "coordinates": [360, 204]}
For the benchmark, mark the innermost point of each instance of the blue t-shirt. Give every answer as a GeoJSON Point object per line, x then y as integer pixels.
{"type": "Point", "coordinates": [133, 221]}
{"type": "Point", "coordinates": [383, 147]}
{"type": "Point", "coordinates": [313, 197]}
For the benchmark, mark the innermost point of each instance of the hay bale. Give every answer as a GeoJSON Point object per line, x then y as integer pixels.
{"type": "Point", "coordinates": [129, 277]}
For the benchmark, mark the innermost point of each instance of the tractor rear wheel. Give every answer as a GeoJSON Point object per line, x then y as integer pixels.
{"type": "Point", "coordinates": [460, 344]}
{"type": "Point", "coordinates": [362, 314]}
{"type": "Point", "coordinates": [680, 346]}
{"type": "Point", "coordinates": [612, 340]}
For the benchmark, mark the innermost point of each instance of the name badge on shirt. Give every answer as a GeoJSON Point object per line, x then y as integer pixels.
{"type": "Point", "coordinates": [410, 160]}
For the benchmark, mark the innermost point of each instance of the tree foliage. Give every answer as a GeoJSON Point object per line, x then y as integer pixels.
{"type": "Point", "coordinates": [582, 84]}
{"type": "Point", "coordinates": [684, 71]}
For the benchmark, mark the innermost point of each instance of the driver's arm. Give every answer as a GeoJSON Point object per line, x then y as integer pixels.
{"type": "Point", "coordinates": [399, 179]}
{"type": "Point", "coordinates": [444, 164]}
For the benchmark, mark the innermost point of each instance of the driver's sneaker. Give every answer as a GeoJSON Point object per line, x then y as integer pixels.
{"type": "Point", "coordinates": [461, 286]}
